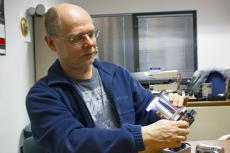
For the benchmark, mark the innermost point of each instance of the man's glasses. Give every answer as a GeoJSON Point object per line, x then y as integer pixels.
{"type": "Point", "coordinates": [81, 38]}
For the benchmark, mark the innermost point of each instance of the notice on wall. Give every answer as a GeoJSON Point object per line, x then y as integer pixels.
{"type": "Point", "coordinates": [2, 29]}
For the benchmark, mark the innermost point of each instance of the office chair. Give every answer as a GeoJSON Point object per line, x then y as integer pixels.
{"type": "Point", "coordinates": [215, 77]}
{"type": "Point", "coordinates": [31, 146]}
{"type": "Point", "coordinates": [27, 131]}
{"type": "Point", "coordinates": [218, 82]}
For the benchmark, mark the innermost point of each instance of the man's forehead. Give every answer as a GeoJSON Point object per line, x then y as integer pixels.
{"type": "Point", "coordinates": [83, 29]}
{"type": "Point", "coordinates": [75, 30]}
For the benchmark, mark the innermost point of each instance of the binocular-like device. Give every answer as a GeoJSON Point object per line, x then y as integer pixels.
{"type": "Point", "coordinates": [166, 110]}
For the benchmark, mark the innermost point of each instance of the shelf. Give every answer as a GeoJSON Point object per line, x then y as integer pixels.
{"type": "Point", "coordinates": [208, 103]}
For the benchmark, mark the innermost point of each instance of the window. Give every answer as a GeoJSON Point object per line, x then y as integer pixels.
{"type": "Point", "coordinates": [115, 42]}
{"type": "Point", "coordinates": [143, 40]}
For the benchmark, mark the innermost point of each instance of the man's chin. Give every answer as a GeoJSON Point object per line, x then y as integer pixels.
{"type": "Point", "coordinates": [91, 60]}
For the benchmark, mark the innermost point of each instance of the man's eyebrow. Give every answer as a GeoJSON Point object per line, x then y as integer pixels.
{"type": "Point", "coordinates": [80, 33]}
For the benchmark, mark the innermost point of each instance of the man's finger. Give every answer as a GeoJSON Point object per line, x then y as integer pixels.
{"type": "Point", "coordinates": [183, 132]}
{"type": "Point", "coordinates": [186, 99]}
{"type": "Point", "coordinates": [180, 138]}
{"type": "Point", "coordinates": [180, 101]}
{"type": "Point", "coordinates": [182, 124]}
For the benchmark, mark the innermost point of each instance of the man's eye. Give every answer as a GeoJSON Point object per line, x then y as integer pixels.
{"type": "Point", "coordinates": [76, 38]}
{"type": "Point", "coordinates": [91, 34]}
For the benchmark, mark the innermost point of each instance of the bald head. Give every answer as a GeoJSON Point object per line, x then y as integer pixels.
{"type": "Point", "coordinates": [64, 14]}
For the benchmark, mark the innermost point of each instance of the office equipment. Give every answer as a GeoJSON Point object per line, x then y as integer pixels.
{"type": "Point", "coordinates": [227, 90]}
{"type": "Point", "coordinates": [169, 80]}
{"type": "Point", "coordinates": [221, 143]}
{"type": "Point", "coordinates": [206, 89]}
{"type": "Point", "coordinates": [184, 148]}
{"type": "Point", "coordinates": [204, 148]}
{"type": "Point", "coordinates": [171, 74]}
{"type": "Point", "coordinates": [172, 86]}
{"type": "Point", "coordinates": [158, 80]}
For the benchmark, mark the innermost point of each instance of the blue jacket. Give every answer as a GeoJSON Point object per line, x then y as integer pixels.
{"type": "Point", "coordinates": [61, 122]}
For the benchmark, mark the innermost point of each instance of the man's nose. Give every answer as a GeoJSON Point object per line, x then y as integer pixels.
{"type": "Point", "coordinates": [88, 39]}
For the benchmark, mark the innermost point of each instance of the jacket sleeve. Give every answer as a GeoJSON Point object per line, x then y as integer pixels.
{"type": "Point", "coordinates": [59, 131]}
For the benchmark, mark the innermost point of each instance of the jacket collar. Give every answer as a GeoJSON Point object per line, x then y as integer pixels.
{"type": "Point", "coordinates": [56, 74]}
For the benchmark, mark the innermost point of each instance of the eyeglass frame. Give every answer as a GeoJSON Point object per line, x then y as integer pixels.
{"type": "Point", "coordinates": [81, 37]}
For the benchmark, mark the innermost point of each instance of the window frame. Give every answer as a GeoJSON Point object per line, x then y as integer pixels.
{"type": "Point", "coordinates": [136, 38]}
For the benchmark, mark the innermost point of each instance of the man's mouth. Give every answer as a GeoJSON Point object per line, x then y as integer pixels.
{"type": "Point", "coordinates": [90, 53]}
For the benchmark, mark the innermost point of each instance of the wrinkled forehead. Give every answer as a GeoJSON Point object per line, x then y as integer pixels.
{"type": "Point", "coordinates": [76, 30]}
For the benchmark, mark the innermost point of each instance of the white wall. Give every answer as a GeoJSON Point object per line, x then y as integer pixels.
{"type": "Point", "coordinates": [212, 17]}
{"type": "Point", "coordinates": [17, 72]}
{"type": "Point", "coordinates": [210, 123]}
{"type": "Point", "coordinates": [16, 77]}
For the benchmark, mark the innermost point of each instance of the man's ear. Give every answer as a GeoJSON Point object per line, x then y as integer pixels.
{"type": "Point", "coordinates": [50, 42]}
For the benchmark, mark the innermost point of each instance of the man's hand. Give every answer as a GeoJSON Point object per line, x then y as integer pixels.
{"type": "Point", "coordinates": [178, 100]}
{"type": "Point", "coordinates": [164, 134]}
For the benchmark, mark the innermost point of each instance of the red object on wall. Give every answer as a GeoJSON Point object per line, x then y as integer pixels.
{"type": "Point", "coordinates": [2, 41]}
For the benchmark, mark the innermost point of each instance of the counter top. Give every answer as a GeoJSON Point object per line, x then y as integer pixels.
{"type": "Point", "coordinates": [208, 103]}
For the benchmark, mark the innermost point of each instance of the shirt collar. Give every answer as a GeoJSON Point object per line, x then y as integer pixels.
{"type": "Point", "coordinates": [56, 74]}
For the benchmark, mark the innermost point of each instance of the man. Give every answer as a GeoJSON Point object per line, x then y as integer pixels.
{"type": "Point", "coordinates": [87, 106]}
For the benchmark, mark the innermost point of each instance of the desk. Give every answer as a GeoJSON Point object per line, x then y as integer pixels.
{"type": "Point", "coordinates": [209, 103]}
{"type": "Point", "coordinates": [223, 143]}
